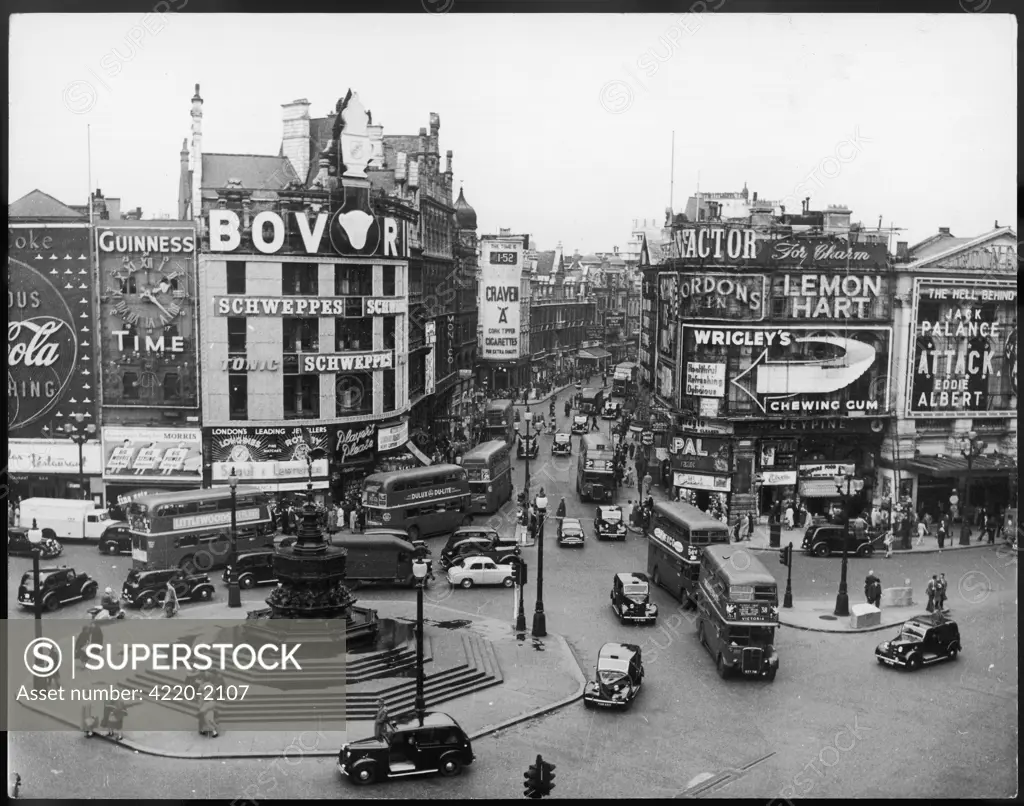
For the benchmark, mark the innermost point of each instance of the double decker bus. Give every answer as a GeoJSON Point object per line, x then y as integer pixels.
{"type": "Point", "coordinates": [591, 401]}
{"type": "Point", "coordinates": [624, 379]}
{"type": "Point", "coordinates": [489, 467]}
{"type": "Point", "coordinates": [676, 539]}
{"type": "Point", "coordinates": [595, 471]}
{"type": "Point", "coordinates": [424, 501]}
{"type": "Point", "coordinates": [192, 529]}
{"type": "Point", "coordinates": [738, 612]}
{"type": "Point", "coordinates": [500, 418]}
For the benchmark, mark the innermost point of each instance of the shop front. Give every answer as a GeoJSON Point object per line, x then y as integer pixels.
{"type": "Point", "coordinates": [395, 451]}
{"type": "Point", "coordinates": [701, 472]}
{"type": "Point", "coordinates": [50, 469]}
{"type": "Point", "coordinates": [818, 492]}
{"type": "Point", "coordinates": [142, 460]}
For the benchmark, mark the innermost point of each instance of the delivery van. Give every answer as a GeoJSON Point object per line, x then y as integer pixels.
{"type": "Point", "coordinates": [65, 519]}
{"type": "Point", "coordinates": [382, 555]}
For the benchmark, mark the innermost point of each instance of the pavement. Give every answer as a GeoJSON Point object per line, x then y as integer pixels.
{"type": "Point", "coordinates": [539, 676]}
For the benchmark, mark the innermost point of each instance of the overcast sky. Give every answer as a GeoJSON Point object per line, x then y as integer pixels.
{"type": "Point", "coordinates": [561, 125]}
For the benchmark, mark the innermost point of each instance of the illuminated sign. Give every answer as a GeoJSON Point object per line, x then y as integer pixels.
{"type": "Point", "coordinates": [722, 296]}
{"type": "Point", "coordinates": [347, 362]}
{"type": "Point", "coordinates": [830, 296]}
{"type": "Point", "coordinates": [384, 306]}
{"type": "Point", "coordinates": [715, 243]}
{"type": "Point", "coordinates": [500, 316]}
{"type": "Point", "coordinates": [122, 241]}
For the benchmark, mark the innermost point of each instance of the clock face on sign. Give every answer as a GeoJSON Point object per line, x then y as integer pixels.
{"type": "Point", "coordinates": [147, 297]}
{"type": "Point", "coordinates": [240, 453]}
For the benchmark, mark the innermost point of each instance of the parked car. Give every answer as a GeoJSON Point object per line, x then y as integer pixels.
{"type": "Point", "coordinates": [631, 598]}
{"type": "Point", "coordinates": [406, 746]}
{"type": "Point", "coordinates": [561, 445]}
{"type": "Point", "coordinates": [528, 444]}
{"type": "Point", "coordinates": [612, 409]}
{"type": "Point", "coordinates": [149, 588]}
{"type": "Point", "coordinates": [254, 568]}
{"type": "Point", "coordinates": [570, 533]}
{"type": "Point", "coordinates": [617, 680]}
{"type": "Point", "coordinates": [580, 424]}
{"type": "Point", "coordinates": [480, 571]}
{"type": "Point", "coordinates": [922, 641]}
{"type": "Point", "coordinates": [479, 541]}
{"type": "Point", "coordinates": [608, 523]}
{"type": "Point", "coordinates": [822, 540]}
{"type": "Point", "coordinates": [116, 539]}
{"type": "Point", "coordinates": [18, 544]}
{"type": "Point", "coordinates": [58, 585]}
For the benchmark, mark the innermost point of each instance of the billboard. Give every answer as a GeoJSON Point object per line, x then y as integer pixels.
{"type": "Point", "coordinates": [501, 271]}
{"type": "Point", "coordinates": [50, 319]}
{"type": "Point", "coordinates": [276, 453]}
{"type": "Point", "coordinates": [797, 370]}
{"type": "Point", "coordinates": [719, 245]}
{"type": "Point", "coordinates": [963, 356]}
{"type": "Point", "coordinates": [135, 454]}
{"type": "Point", "coordinates": [147, 316]}
{"type": "Point", "coordinates": [723, 297]}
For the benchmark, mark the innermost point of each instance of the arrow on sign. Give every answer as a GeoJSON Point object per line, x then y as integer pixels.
{"type": "Point", "coordinates": [791, 378]}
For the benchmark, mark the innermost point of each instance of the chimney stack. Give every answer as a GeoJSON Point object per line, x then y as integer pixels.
{"type": "Point", "coordinates": [197, 155]}
{"type": "Point", "coordinates": [943, 230]}
{"type": "Point", "coordinates": [295, 137]}
{"type": "Point", "coordinates": [902, 252]}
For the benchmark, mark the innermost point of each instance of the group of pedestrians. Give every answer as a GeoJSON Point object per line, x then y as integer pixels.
{"type": "Point", "coordinates": [936, 590]}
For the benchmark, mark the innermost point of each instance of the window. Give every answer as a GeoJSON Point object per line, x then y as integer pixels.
{"type": "Point", "coordinates": [353, 281]}
{"type": "Point", "coordinates": [130, 386]}
{"type": "Point", "coordinates": [172, 387]}
{"type": "Point", "coordinates": [389, 281]}
{"type": "Point", "coordinates": [389, 331]}
{"type": "Point", "coordinates": [301, 335]}
{"type": "Point", "coordinates": [353, 334]}
{"type": "Point", "coordinates": [236, 277]}
{"type": "Point", "coordinates": [238, 396]}
{"type": "Point", "coordinates": [237, 330]}
{"type": "Point", "coordinates": [300, 279]}
{"type": "Point", "coordinates": [389, 390]}
{"type": "Point", "coordinates": [301, 396]}
{"type": "Point", "coordinates": [354, 394]}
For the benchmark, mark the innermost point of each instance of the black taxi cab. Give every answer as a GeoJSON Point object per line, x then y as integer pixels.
{"type": "Point", "coordinates": [631, 598]}
{"type": "Point", "coordinates": [580, 424]}
{"type": "Point", "coordinates": [407, 746]}
{"type": "Point", "coordinates": [617, 679]}
{"type": "Point", "coordinates": [561, 445]}
{"type": "Point", "coordinates": [921, 641]}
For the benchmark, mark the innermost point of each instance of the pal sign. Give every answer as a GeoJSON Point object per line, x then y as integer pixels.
{"type": "Point", "coordinates": [352, 232]}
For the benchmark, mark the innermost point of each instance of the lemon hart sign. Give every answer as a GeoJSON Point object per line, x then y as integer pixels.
{"type": "Point", "coordinates": [50, 323]}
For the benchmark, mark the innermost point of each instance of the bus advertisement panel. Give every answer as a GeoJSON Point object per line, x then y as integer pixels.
{"type": "Point", "coordinates": [423, 500]}
{"type": "Point", "coordinates": [677, 536]}
{"type": "Point", "coordinates": [489, 468]}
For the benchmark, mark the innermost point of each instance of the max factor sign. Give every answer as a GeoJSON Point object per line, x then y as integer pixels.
{"type": "Point", "coordinates": [351, 232]}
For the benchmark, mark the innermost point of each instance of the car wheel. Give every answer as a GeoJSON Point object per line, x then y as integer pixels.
{"type": "Point", "coordinates": [450, 766]}
{"type": "Point", "coordinates": [880, 661]}
{"type": "Point", "coordinates": [914, 663]}
{"type": "Point", "coordinates": [822, 550]}
{"type": "Point", "coordinates": [365, 772]}
{"type": "Point", "coordinates": [108, 548]}
{"type": "Point", "coordinates": [467, 583]}
{"type": "Point", "coordinates": [89, 591]}
{"type": "Point", "coordinates": [866, 550]}
{"type": "Point", "coordinates": [723, 670]}
{"type": "Point", "coordinates": [49, 534]}
{"type": "Point", "coordinates": [507, 582]}
{"type": "Point", "coordinates": [204, 594]}
{"type": "Point", "coordinates": [161, 598]}
{"type": "Point", "coordinates": [414, 533]}
{"type": "Point", "coordinates": [953, 653]}
{"type": "Point", "coordinates": [51, 604]}
{"type": "Point", "coordinates": [148, 602]}
{"type": "Point", "coordinates": [246, 581]}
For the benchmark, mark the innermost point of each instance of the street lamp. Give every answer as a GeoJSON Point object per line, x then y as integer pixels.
{"type": "Point", "coordinates": [35, 537]}
{"type": "Point", "coordinates": [419, 570]}
{"type": "Point", "coordinates": [539, 620]}
{"type": "Point", "coordinates": [970, 448]}
{"type": "Point", "coordinates": [80, 432]}
{"type": "Point", "coordinates": [847, 486]}
{"type": "Point", "coordinates": [527, 422]}
{"type": "Point", "coordinates": [234, 594]}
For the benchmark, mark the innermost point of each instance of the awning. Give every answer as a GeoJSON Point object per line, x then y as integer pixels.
{"type": "Point", "coordinates": [942, 466]}
{"type": "Point", "coordinates": [593, 353]}
{"type": "Point", "coordinates": [818, 488]}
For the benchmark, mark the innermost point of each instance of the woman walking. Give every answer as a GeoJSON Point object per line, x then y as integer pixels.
{"type": "Point", "coordinates": [170, 600]}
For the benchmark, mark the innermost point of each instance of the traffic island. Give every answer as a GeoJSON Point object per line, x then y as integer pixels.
{"type": "Point", "coordinates": [817, 615]}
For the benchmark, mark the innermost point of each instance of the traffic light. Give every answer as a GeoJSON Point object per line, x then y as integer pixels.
{"type": "Point", "coordinates": [515, 571]}
{"type": "Point", "coordinates": [522, 571]}
{"type": "Point", "coordinates": [786, 555]}
{"type": "Point", "coordinates": [531, 786]}
{"type": "Point", "coordinates": [547, 776]}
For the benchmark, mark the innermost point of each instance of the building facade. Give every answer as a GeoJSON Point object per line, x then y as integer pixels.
{"type": "Point", "coordinates": [503, 302]}
{"type": "Point", "coordinates": [560, 316]}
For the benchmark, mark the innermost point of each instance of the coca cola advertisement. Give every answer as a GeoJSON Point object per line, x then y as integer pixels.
{"type": "Point", "coordinates": [51, 315]}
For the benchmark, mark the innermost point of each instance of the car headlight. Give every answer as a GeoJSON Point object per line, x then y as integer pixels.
{"type": "Point", "coordinates": [899, 649]}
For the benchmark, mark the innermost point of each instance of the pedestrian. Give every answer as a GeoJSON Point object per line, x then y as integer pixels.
{"type": "Point", "coordinates": [666, 475]}
{"type": "Point", "coordinates": [992, 527]}
{"type": "Point", "coordinates": [648, 481]}
{"type": "Point", "coordinates": [560, 512]}
{"type": "Point", "coordinates": [931, 591]}
{"type": "Point", "coordinates": [922, 530]}
{"type": "Point", "coordinates": [170, 600]}
{"type": "Point", "coordinates": [632, 450]}
{"type": "Point", "coordinates": [208, 718]}
{"type": "Point", "coordinates": [14, 785]}
{"type": "Point", "coordinates": [631, 477]}
{"type": "Point", "coordinates": [593, 423]}
{"type": "Point", "coordinates": [353, 520]}
{"type": "Point", "coordinates": [380, 721]}
{"type": "Point", "coordinates": [89, 722]}
{"type": "Point", "coordinates": [940, 533]}
{"type": "Point", "coordinates": [940, 593]}
{"type": "Point", "coordinates": [873, 589]}
{"type": "Point", "coordinates": [360, 517]}
{"type": "Point", "coordinates": [568, 408]}
{"type": "Point", "coordinates": [113, 720]}
{"type": "Point", "coordinates": [789, 516]}
{"type": "Point", "coordinates": [888, 543]}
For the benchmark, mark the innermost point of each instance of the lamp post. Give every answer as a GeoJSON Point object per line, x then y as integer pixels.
{"type": "Point", "coordinates": [419, 570]}
{"type": "Point", "coordinates": [846, 484]}
{"type": "Point", "coordinates": [539, 619]}
{"type": "Point", "coordinates": [35, 537]}
{"type": "Point", "coordinates": [80, 432]}
{"type": "Point", "coordinates": [970, 448]}
{"type": "Point", "coordinates": [527, 423]}
{"type": "Point", "coordinates": [234, 594]}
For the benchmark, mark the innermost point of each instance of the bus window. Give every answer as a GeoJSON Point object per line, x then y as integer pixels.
{"type": "Point", "coordinates": [186, 541]}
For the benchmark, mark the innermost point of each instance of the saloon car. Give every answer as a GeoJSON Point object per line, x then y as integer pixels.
{"type": "Point", "coordinates": [407, 746]}
{"type": "Point", "coordinates": [608, 523]}
{"type": "Point", "coordinates": [116, 540]}
{"type": "Point", "coordinates": [921, 641]}
{"type": "Point", "coordinates": [479, 541]}
{"type": "Point", "coordinates": [580, 424]}
{"type": "Point", "coordinates": [254, 568]}
{"type": "Point", "coordinates": [631, 598]}
{"type": "Point", "coordinates": [617, 679]}
{"type": "Point", "coordinates": [822, 540]}
{"type": "Point", "coordinates": [18, 544]}
{"type": "Point", "coordinates": [479, 571]}
{"type": "Point", "coordinates": [570, 533]}
{"type": "Point", "coordinates": [561, 445]}
{"type": "Point", "coordinates": [148, 589]}
{"type": "Point", "coordinates": [58, 585]}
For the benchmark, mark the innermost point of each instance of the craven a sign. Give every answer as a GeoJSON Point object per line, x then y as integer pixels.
{"type": "Point", "coordinates": [501, 271]}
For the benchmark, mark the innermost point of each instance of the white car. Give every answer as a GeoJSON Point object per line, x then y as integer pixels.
{"type": "Point", "coordinates": [479, 571]}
